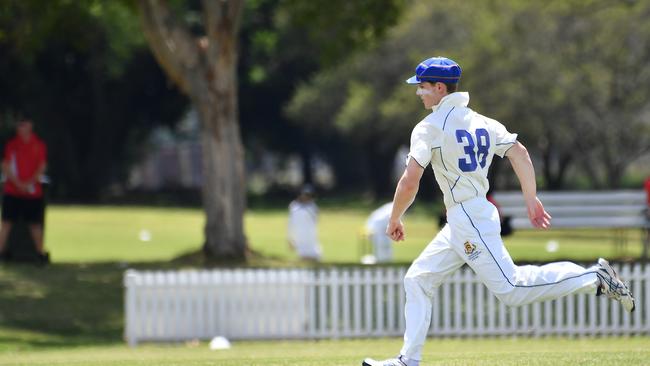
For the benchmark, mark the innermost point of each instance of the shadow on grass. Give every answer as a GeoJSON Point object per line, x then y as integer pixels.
{"type": "Point", "coordinates": [61, 304]}
{"type": "Point", "coordinates": [75, 304]}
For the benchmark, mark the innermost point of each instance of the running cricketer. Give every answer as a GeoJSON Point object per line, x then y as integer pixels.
{"type": "Point", "coordinates": [460, 145]}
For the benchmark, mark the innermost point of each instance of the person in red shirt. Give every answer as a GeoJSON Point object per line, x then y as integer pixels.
{"type": "Point", "coordinates": [24, 162]}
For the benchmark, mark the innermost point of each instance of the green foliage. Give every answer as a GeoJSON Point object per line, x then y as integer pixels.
{"type": "Point", "coordinates": [285, 42]}
{"type": "Point", "coordinates": [360, 96]}
{"type": "Point", "coordinates": [82, 70]}
{"type": "Point", "coordinates": [567, 76]}
{"type": "Point", "coordinates": [340, 27]}
{"type": "Point", "coordinates": [29, 26]}
{"type": "Point", "coordinates": [123, 31]}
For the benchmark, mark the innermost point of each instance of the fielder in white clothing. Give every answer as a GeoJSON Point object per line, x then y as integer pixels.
{"type": "Point", "coordinates": [376, 225]}
{"type": "Point", "coordinates": [459, 144]}
{"type": "Point", "coordinates": [302, 227]}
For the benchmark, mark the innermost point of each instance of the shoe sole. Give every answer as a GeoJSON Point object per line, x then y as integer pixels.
{"type": "Point", "coordinates": [371, 362]}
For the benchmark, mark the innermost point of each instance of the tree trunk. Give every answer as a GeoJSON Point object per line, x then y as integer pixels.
{"type": "Point", "coordinates": [205, 69]}
{"type": "Point", "coordinates": [223, 183]}
{"type": "Point", "coordinates": [224, 186]}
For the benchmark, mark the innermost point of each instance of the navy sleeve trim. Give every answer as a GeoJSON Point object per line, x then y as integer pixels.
{"type": "Point", "coordinates": [507, 143]}
{"type": "Point", "coordinates": [513, 144]}
{"type": "Point", "coordinates": [416, 160]}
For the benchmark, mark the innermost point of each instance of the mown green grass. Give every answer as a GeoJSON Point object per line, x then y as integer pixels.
{"type": "Point", "coordinates": [71, 312]}
{"type": "Point", "coordinates": [101, 234]}
{"type": "Point", "coordinates": [105, 234]}
{"type": "Point", "coordinates": [611, 351]}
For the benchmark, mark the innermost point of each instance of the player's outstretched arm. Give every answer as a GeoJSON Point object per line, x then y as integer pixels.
{"type": "Point", "coordinates": [523, 167]}
{"type": "Point", "coordinates": [405, 193]}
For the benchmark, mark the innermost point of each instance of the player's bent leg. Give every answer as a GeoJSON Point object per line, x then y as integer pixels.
{"type": "Point", "coordinates": [436, 262]}
{"type": "Point", "coordinates": [520, 285]}
{"type": "Point", "coordinates": [551, 281]}
{"type": "Point", "coordinates": [484, 251]}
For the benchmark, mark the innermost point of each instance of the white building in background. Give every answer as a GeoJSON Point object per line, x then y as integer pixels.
{"type": "Point", "coordinates": [174, 160]}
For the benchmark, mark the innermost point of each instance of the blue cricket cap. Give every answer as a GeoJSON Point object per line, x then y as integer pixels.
{"type": "Point", "coordinates": [436, 69]}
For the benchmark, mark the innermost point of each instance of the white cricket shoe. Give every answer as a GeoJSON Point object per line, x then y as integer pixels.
{"type": "Point", "coordinates": [612, 286]}
{"type": "Point", "coordinates": [390, 362]}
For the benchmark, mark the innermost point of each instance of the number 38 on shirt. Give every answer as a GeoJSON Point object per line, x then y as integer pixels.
{"type": "Point", "coordinates": [473, 157]}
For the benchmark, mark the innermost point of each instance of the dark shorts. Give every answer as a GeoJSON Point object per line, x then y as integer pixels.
{"type": "Point", "coordinates": [31, 210]}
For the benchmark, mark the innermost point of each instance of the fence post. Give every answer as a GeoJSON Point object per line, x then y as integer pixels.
{"type": "Point", "coordinates": [402, 298]}
{"type": "Point", "coordinates": [480, 311]}
{"type": "Point", "coordinates": [334, 302]}
{"type": "Point", "coordinates": [469, 303]}
{"type": "Point", "coordinates": [356, 299]}
{"type": "Point", "coordinates": [367, 287]}
{"type": "Point", "coordinates": [625, 273]}
{"type": "Point", "coordinates": [378, 284]}
{"type": "Point", "coordinates": [391, 311]}
{"type": "Point", "coordinates": [345, 302]}
{"type": "Point", "coordinates": [130, 278]}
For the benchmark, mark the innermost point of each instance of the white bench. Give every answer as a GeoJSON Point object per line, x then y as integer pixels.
{"type": "Point", "coordinates": [621, 209]}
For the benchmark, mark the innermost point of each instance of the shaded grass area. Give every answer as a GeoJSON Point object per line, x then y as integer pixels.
{"type": "Point", "coordinates": [60, 305]}
{"type": "Point", "coordinates": [554, 351]}
{"type": "Point", "coordinates": [72, 304]}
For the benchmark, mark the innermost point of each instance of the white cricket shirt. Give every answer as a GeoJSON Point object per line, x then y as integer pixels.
{"type": "Point", "coordinates": [459, 144]}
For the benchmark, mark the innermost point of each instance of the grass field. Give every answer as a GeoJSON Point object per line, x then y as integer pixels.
{"type": "Point", "coordinates": [71, 312]}
{"type": "Point", "coordinates": [614, 351]}
{"type": "Point", "coordinates": [113, 234]}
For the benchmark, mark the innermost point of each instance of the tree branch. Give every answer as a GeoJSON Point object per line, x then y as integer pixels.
{"type": "Point", "coordinates": [172, 44]}
{"type": "Point", "coordinates": [222, 16]}
{"type": "Point", "coordinates": [234, 13]}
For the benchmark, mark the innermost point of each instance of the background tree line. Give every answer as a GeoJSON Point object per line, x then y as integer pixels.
{"type": "Point", "coordinates": [568, 76]}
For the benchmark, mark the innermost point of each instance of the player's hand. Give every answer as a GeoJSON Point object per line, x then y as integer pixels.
{"type": "Point", "coordinates": [395, 230]}
{"type": "Point", "coordinates": [539, 218]}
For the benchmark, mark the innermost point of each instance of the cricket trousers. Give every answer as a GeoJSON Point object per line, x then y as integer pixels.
{"type": "Point", "coordinates": [472, 236]}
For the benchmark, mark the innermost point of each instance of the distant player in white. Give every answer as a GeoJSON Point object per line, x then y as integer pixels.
{"type": "Point", "coordinates": [302, 226]}
{"type": "Point", "coordinates": [376, 225]}
{"type": "Point", "coordinates": [460, 144]}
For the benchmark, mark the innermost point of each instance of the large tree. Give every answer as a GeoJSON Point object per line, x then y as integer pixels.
{"type": "Point", "coordinates": [203, 64]}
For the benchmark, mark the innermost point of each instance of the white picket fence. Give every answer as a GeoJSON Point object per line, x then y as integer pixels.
{"type": "Point", "coordinates": [354, 302]}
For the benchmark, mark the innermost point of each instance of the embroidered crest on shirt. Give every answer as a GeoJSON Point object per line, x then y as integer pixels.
{"type": "Point", "coordinates": [470, 250]}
